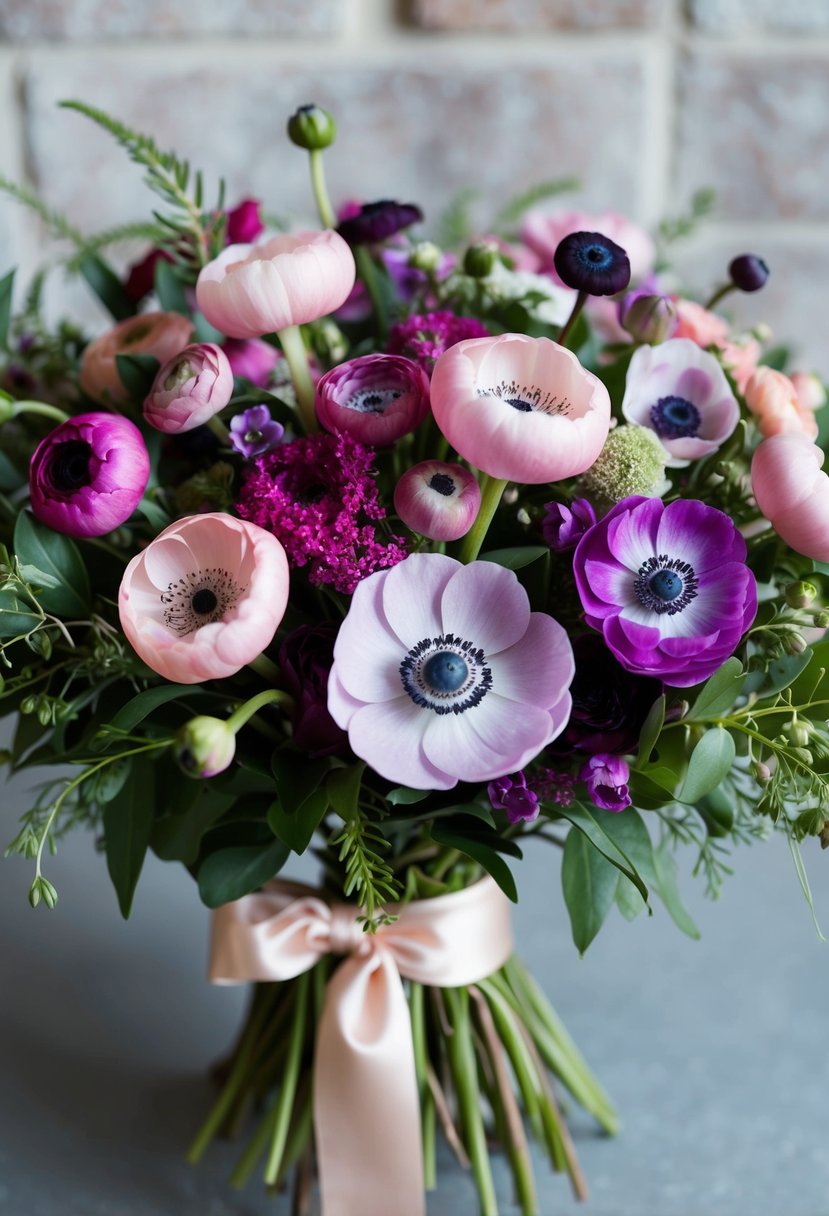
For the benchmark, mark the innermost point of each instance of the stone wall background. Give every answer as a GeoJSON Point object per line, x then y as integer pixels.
{"type": "Point", "coordinates": [643, 100]}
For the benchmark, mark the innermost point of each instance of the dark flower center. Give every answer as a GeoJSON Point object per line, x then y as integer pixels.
{"type": "Point", "coordinates": [442, 483]}
{"type": "Point", "coordinates": [373, 400]}
{"type": "Point", "coordinates": [527, 398]}
{"type": "Point", "coordinates": [675, 418]}
{"type": "Point", "coordinates": [199, 598]}
{"type": "Point", "coordinates": [69, 466]}
{"type": "Point", "coordinates": [445, 671]}
{"type": "Point", "coordinates": [253, 436]}
{"type": "Point", "coordinates": [204, 601]}
{"type": "Point", "coordinates": [597, 257]}
{"type": "Point", "coordinates": [446, 674]}
{"type": "Point", "coordinates": [665, 585]}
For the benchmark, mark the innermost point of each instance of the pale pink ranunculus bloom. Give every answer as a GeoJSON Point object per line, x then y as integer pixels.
{"type": "Point", "coordinates": [290, 279]}
{"type": "Point", "coordinates": [810, 390]}
{"type": "Point", "coordinates": [542, 232]}
{"type": "Point", "coordinates": [189, 389]}
{"type": "Point", "coordinates": [519, 408]}
{"type": "Point", "coordinates": [792, 491]}
{"type": "Point", "coordinates": [773, 400]}
{"type": "Point", "coordinates": [204, 598]}
{"type": "Point", "coordinates": [162, 334]}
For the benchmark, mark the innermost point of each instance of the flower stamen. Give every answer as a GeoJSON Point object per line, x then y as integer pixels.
{"type": "Point", "coordinates": [446, 674]}
{"type": "Point", "coordinates": [666, 585]}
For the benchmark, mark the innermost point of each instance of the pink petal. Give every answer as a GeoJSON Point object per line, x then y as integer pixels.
{"type": "Point", "coordinates": [538, 669]}
{"type": "Point", "coordinates": [411, 603]}
{"type": "Point", "coordinates": [485, 604]}
{"type": "Point", "coordinates": [389, 737]}
{"type": "Point", "coordinates": [487, 740]}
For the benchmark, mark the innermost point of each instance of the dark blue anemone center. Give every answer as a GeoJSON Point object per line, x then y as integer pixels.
{"type": "Point", "coordinates": [666, 584]}
{"type": "Point", "coordinates": [675, 418]}
{"type": "Point", "coordinates": [445, 671]}
{"type": "Point", "coordinates": [442, 483]}
{"type": "Point", "coordinates": [595, 256]}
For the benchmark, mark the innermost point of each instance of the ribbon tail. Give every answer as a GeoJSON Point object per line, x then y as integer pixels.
{"type": "Point", "coordinates": [366, 1107]}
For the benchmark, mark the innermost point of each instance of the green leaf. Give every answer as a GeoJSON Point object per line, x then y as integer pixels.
{"type": "Point", "coordinates": [650, 731]}
{"type": "Point", "coordinates": [344, 790]}
{"type": "Point", "coordinates": [128, 820]}
{"type": "Point", "coordinates": [6, 290]}
{"type": "Point", "coordinates": [589, 882]}
{"type": "Point", "coordinates": [51, 560]}
{"type": "Point", "coordinates": [302, 802]}
{"type": "Point", "coordinates": [402, 796]}
{"type": "Point", "coordinates": [517, 558]}
{"type": "Point", "coordinates": [137, 373]}
{"type": "Point", "coordinates": [15, 619]}
{"type": "Point", "coordinates": [628, 832]}
{"type": "Point", "coordinates": [779, 674]}
{"type": "Point", "coordinates": [478, 846]}
{"type": "Point", "coordinates": [197, 806]}
{"type": "Point", "coordinates": [668, 888]}
{"type": "Point", "coordinates": [10, 477]}
{"type": "Point", "coordinates": [628, 900]}
{"type": "Point", "coordinates": [586, 822]}
{"type": "Point", "coordinates": [144, 703]}
{"type": "Point", "coordinates": [803, 879]}
{"type": "Point", "coordinates": [710, 761]}
{"type": "Point", "coordinates": [228, 874]}
{"type": "Point", "coordinates": [169, 288]}
{"type": "Point", "coordinates": [719, 694]}
{"type": "Point", "coordinates": [107, 286]}
{"type": "Point", "coordinates": [203, 331]}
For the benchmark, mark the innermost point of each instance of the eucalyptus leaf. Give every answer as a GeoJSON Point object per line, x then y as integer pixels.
{"type": "Point", "coordinates": [52, 561]}
{"type": "Point", "coordinates": [586, 822]}
{"type": "Point", "coordinates": [128, 820]}
{"type": "Point", "coordinates": [15, 619]}
{"type": "Point", "coordinates": [710, 762]}
{"type": "Point", "coordinates": [229, 874]}
{"type": "Point", "coordinates": [628, 832]}
{"type": "Point", "coordinates": [589, 882]}
{"type": "Point", "coordinates": [517, 558]}
{"type": "Point", "coordinates": [721, 691]}
{"type": "Point", "coordinates": [668, 887]}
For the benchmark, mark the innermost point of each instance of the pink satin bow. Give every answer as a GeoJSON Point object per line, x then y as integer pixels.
{"type": "Point", "coordinates": [366, 1107]}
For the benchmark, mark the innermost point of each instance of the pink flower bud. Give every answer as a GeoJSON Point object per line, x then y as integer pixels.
{"type": "Point", "coordinates": [205, 746]}
{"type": "Point", "coordinates": [189, 389]}
{"type": "Point", "coordinates": [162, 334]}
{"type": "Point", "coordinates": [244, 222]}
{"type": "Point", "coordinates": [793, 492]}
{"type": "Point", "coordinates": [773, 400]}
{"type": "Point", "coordinates": [437, 500]}
{"type": "Point", "coordinates": [375, 398]}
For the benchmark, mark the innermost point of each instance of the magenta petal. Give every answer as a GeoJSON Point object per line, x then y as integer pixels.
{"type": "Point", "coordinates": [631, 535]}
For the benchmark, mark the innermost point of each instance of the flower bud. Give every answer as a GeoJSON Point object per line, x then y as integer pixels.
{"type": "Point", "coordinates": [563, 527]}
{"type": "Point", "coordinates": [761, 771]}
{"type": "Point", "coordinates": [378, 221]}
{"type": "Point", "coordinates": [592, 263]}
{"type": "Point", "coordinates": [426, 256]}
{"type": "Point", "coordinates": [822, 619]}
{"type": "Point", "coordinates": [437, 500]}
{"type": "Point", "coordinates": [799, 731]}
{"type": "Point", "coordinates": [312, 128]}
{"type": "Point", "coordinates": [329, 342]}
{"type": "Point", "coordinates": [794, 643]}
{"type": "Point", "coordinates": [650, 319]}
{"type": "Point", "coordinates": [480, 259]}
{"type": "Point", "coordinates": [748, 272]}
{"type": "Point", "coordinates": [801, 594]}
{"type": "Point", "coordinates": [606, 778]}
{"type": "Point", "coordinates": [161, 334]}
{"type": "Point", "coordinates": [244, 222]}
{"type": "Point", "coordinates": [189, 389]}
{"type": "Point", "coordinates": [803, 755]}
{"type": "Point", "coordinates": [205, 746]}
{"type": "Point", "coordinates": [511, 794]}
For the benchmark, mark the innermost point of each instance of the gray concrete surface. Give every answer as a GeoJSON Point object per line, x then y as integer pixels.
{"type": "Point", "coordinates": [715, 1051]}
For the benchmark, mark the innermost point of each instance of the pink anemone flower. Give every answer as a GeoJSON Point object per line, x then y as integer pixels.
{"type": "Point", "coordinates": [250, 290]}
{"type": "Point", "coordinates": [521, 409]}
{"type": "Point", "coordinates": [204, 598]}
{"type": "Point", "coordinates": [679, 390]}
{"type": "Point", "coordinates": [443, 674]}
{"type": "Point", "coordinates": [792, 491]}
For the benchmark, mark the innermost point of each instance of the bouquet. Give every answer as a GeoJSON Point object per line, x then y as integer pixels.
{"type": "Point", "coordinates": [406, 553]}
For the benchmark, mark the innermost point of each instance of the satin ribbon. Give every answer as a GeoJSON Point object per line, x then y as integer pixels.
{"type": "Point", "coordinates": [366, 1105]}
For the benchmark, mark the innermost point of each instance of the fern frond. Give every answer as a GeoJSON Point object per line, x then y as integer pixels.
{"type": "Point", "coordinates": [57, 223]}
{"type": "Point", "coordinates": [367, 874]}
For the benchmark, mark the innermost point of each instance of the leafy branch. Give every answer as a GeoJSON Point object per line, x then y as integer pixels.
{"type": "Point", "coordinates": [367, 873]}
{"type": "Point", "coordinates": [55, 221]}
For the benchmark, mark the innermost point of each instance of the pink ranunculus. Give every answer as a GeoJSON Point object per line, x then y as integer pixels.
{"type": "Point", "coordinates": [162, 334]}
{"type": "Point", "coordinates": [773, 399]}
{"type": "Point", "coordinates": [698, 324]}
{"type": "Point", "coordinates": [374, 398]}
{"type": "Point", "coordinates": [521, 409]}
{"type": "Point", "coordinates": [189, 389]}
{"type": "Point", "coordinates": [542, 232]}
{"type": "Point", "coordinates": [792, 491]}
{"type": "Point", "coordinates": [740, 360]}
{"type": "Point", "coordinates": [250, 290]}
{"type": "Point", "coordinates": [438, 500]}
{"type": "Point", "coordinates": [251, 360]}
{"type": "Point", "coordinates": [443, 674]}
{"type": "Point", "coordinates": [810, 390]}
{"type": "Point", "coordinates": [244, 222]}
{"type": "Point", "coordinates": [204, 598]}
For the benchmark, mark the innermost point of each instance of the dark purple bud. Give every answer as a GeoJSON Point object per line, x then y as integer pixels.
{"type": "Point", "coordinates": [563, 527]}
{"type": "Point", "coordinates": [510, 794]}
{"type": "Point", "coordinates": [306, 657]}
{"type": "Point", "coordinates": [606, 778]}
{"type": "Point", "coordinates": [592, 263]}
{"type": "Point", "coordinates": [377, 221]}
{"type": "Point", "coordinates": [748, 272]}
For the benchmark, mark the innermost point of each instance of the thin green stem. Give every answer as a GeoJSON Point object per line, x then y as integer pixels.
{"type": "Point", "coordinates": [39, 407]}
{"type": "Point", "coordinates": [718, 295]}
{"type": "Point", "coordinates": [567, 328]}
{"type": "Point", "coordinates": [320, 189]}
{"type": "Point", "coordinates": [287, 1092]}
{"type": "Point", "coordinates": [245, 712]}
{"type": "Point", "coordinates": [491, 490]}
{"type": "Point", "coordinates": [296, 357]}
{"type": "Point", "coordinates": [465, 1073]}
{"type": "Point", "coordinates": [219, 429]}
{"type": "Point", "coordinates": [266, 668]}
{"type": "Point", "coordinates": [367, 271]}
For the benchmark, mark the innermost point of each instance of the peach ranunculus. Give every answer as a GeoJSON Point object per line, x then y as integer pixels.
{"type": "Point", "coordinates": [162, 334]}
{"type": "Point", "coordinates": [293, 278]}
{"type": "Point", "coordinates": [773, 400]}
{"type": "Point", "coordinates": [810, 390]}
{"type": "Point", "coordinates": [542, 231]}
{"type": "Point", "coordinates": [519, 408]}
{"type": "Point", "coordinates": [792, 491]}
{"type": "Point", "coordinates": [697, 323]}
{"type": "Point", "coordinates": [740, 360]}
{"type": "Point", "coordinates": [205, 597]}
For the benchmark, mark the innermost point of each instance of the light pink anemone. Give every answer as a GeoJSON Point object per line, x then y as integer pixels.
{"type": "Point", "coordinates": [250, 290]}
{"type": "Point", "coordinates": [792, 491]}
{"type": "Point", "coordinates": [443, 674]}
{"type": "Point", "coordinates": [542, 231]}
{"type": "Point", "coordinates": [437, 499]}
{"type": "Point", "coordinates": [521, 409]}
{"type": "Point", "coordinates": [679, 390]}
{"type": "Point", "coordinates": [204, 598]}
{"type": "Point", "coordinates": [189, 389]}
{"type": "Point", "coordinates": [772, 398]}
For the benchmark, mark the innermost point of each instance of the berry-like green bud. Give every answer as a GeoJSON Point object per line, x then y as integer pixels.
{"type": "Point", "coordinates": [425, 256]}
{"type": "Point", "coordinates": [312, 128]}
{"type": "Point", "coordinates": [6, 408]}
{"type": "Point", "coordinates": [650, 319]}
{"type": "Point", "coordinates": [632, 461]}
{"type": "Point", "coordinates": [794, 643]}
{"type": "Point", "coordinates": [480, 259]}
{"type": "Point", "coordinates": [205, 746]}
{"type": "Point", "coordinates": [799, 731]}
{"type": "Point", "coordinates": [801, 594]}
{"type": "Point", "coordinates": [822, 619]}
{"type": "Point", "coordinates": [804, 755]}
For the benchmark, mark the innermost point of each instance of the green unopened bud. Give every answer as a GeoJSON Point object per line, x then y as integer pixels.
{"type": "Point", "coordinates": [801, 594]}
{"type": "Point", "coordinates": [803, 755]}
{"type": "Point", "coordinates": [205, 746]}
{"type": "Point", "coordinates": [480, 259]}
{"type": "Point", "coordinates": [44, 713]}
{"type": "Point", "coordinates": [426, 256]}
{"type": "Point", "coordinates": [822, 619]}
{"type": "Point", "coordinates": [794, 643]}
{"type": "Point", "coordinates": [41, 644]}
{"type": "Point", "coordinates": [650, 319]}
{"type": "Point", "coordinates": [6, 408]}
{"type": "Point", "coordinates": [799, 731]}
{"type": "Point", "coordinates": [312, 128]}
{"type": "Point", "coordinates": [29, 704]}
{"type": "Point", "coordinates": [632, 461]}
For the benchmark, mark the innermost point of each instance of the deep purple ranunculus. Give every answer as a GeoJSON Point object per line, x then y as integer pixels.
{"type": "Point", "coordinates": [89, 474]}
{"type": "Point", "coordinates": [378, 221]}
{"type": "Point", "coordinates": [510, 794]}
{"type": "Point", "coordinates": [244, 222]}
{"type": "Point", "coordinates": [609, 704]}
{"type": "Point", "coordinates": [140, 279]}
{"type": "Point", "coordinates": [667, 586]}
{"type": "Point", "coordinates": [563, 527]}
{"type": "Point", "coordinates": [606, 778]}
{"type": "Point", "coordinates": [306, 657]}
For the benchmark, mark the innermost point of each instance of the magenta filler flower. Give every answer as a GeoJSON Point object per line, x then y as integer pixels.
{"type": "Point", "coordinates": [443, 674]}
{"type": "Point", "coordinates": [667, 586]}
{"type": "Point", "coordinates": [89, 474]}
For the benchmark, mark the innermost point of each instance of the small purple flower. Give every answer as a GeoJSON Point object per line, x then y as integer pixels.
{"type": "Point", "coordinates": [511, 794]}
{"type": "Point", "coordinates": [555, 786]}
{"type": "Point", "coordinates": [89, 474]}
{"type": "Point", "coordinates": [592, 263]}
{"type": "Point", "coordinates": [374, 398]}
{"type": "Point", "coordinates": [667, 586]}
{"type": "Point", "coordinates": [563, 527]}
{"type": "Point", "coordinates": [377, 221]}
{"type": "Point", "coordinates": [306, 657]}
{"type": "Point", "coordinates": [254, 431]}
{"type": "Point", "coordinates": [606, 778]}
{"type": "Point", "coordinates": [425, 337]}
{"type": "Point", "coordinates": [244, 222]}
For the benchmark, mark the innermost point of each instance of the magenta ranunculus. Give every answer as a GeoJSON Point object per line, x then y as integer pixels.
{"type": "Point", "coordinates": [374, 398]}
{"type": "Point", "coordinates": [443, 674]}
{"type": "Point", "coordinates": [189, 389]}
{"type": "Point", "coordinates": [606, 778]}
{"type": "Point", "coordinates": [438, 500]}
{"type": "Point", "coordinates": [244, 222]}
{"type": "Point", "coordinates": [89, 474]}
{"type": "Point", "coordinates": [667, 586]}
{"type": "Point", "coordinates": [521, 409]}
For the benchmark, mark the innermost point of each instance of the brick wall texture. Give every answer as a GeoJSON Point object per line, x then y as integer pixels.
{"type": "Point", "coordinates": [644, 101]}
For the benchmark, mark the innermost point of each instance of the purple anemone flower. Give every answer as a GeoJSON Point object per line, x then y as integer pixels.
{"type": "Point", "coordinates": [377, 221]}
{"type": "Point", "coordinates": [443, 674]}
{"type": "Point", "coordinates": [667, 586]}
{"type": "Point", "coordinates": [89, 474]}
{"type": "Point", "coordinates": [592, 263]}
{"type": "Point", "coordinates": [563, 527]}
{"type": "Point", "coordinates": [254, 431]}
{"type": "Point", "coordinates": [606, 778]}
